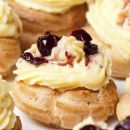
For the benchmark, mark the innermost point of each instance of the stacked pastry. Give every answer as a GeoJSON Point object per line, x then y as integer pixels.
{"type": "Point", "coordinates": [10, 29]}
{"type": "Point", "coordinates": [110, 27]}
{"type": "Point", "coordinates": [56, 16]}
{"type": "Point", "coordinates": [65, 79]}
{"type": "Point", "coordinates": [8, 121]}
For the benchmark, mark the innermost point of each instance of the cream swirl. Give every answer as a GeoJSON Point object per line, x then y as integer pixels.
{"type": "Point", "coordinates": [10, 24]}
{"type": "Point", "coordinates": [65, 45]}
{"type": "Point", "coordinates": [7, 117]}
{"type": "Point", "coordinates": [67, 76]}
{"type": "Point", "coordinates": [51, 6]}
{"type": "Point", "coordinates": [105, 13]}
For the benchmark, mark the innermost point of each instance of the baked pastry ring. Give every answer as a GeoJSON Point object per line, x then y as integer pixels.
{"type": "Point", "coordinates": [111, 30]}
{"type": "Point", "coordinates": [68, 108]}
{"type": "Point", "coordinates": [60, 24]}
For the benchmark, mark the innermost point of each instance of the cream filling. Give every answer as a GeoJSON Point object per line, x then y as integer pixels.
{"type": "Point", "coordinates": [90, 121]}
{"type": "Point", "coordinates": [103, 18]}
{"type": "Point", "coordinates": [92, 76]}
{"type": "Point", "coordinates": [50, 6]}
{"type": "Point", "coordinates": [10, 24]}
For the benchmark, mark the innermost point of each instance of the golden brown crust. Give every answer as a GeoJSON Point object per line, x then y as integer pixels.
{"type": "Point", "coordinates": [18, 125]}
{"type": "Point", "coordinates": [38, 22]}
{"type": "Point", "coordinates": [68, 108]}
{"type": "Point", "coordinates": [9, 53]}
{"type": "Point", "coordinates": [120, 67]}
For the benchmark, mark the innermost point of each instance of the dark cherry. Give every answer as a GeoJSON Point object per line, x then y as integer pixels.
{"type": "Point", "coordinates": [82, 35]}
{"type": "Point", "coordinates": [39, 60]}
{"type": "Point", "coordinates": [90, 127]}
{"type": "Point", "coordinates": [128, 118]}
{"type": "Point", "coordinates": [124, 125]}
{"type": "Point", "coordinates": [119, 127]}
{"type": "Point", "coordinates": [33, 60]}
{"type": "Point", "coordinates": [91, 49]}
{"type": "Point", "coordinates": [27, 56]}
{"type": "Point", "coordinates": [46, 43]}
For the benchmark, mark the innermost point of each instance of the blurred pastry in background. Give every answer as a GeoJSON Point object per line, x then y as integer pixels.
{"type": "Point", "coordinates": [110, 26]}
{"type": "Point", "coordinates": [10, 30]}
{"type": "Point", "coordinates": [123, 107]}
{"type": "Point", "coordinates": [65, 79]}
{"type": "Point", "coordinates": [55, 16]}
{"type": "Point", "coordinates": [8, 120]}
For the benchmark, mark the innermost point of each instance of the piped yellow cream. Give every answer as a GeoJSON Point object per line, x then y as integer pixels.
{"type": "Point", "coordinates": [91, 73]}
{"type": "Point", "coordinates": [7, 117]}
{"type": "Point", "coordinates": [10, 24]}
{"type": "Point", "coordinates": [103, 17]}
{"type": "Point", "coordinates": [51, 6]}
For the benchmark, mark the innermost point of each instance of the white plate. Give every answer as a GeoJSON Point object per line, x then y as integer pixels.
{"type": "Point", "coordinates": [30, 124]}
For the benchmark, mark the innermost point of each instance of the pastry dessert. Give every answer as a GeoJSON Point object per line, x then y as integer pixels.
{"type": "Point", "coordinates": [65, 79]}
{"type": "Point", "coordinates": [90, 124]}
{"type": "Point", "coordinates": [56, 16]}
{"type": "Point", "coordinates": [111, 31]}
{"type": "Point", "coordinates": [8, 121]}
{"type": "Point", "coordinates": [10, 28]}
